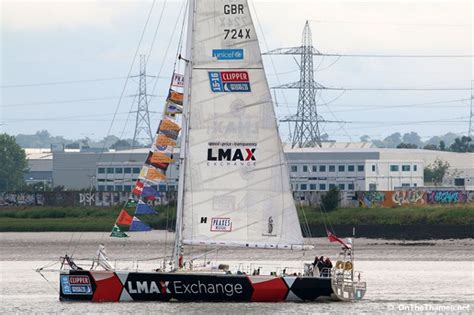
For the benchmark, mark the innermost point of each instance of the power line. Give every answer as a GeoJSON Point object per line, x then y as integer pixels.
{"type": "Point", "coordinates": [391, 23]}
{"type": "Point", "coordinates": [59, 82]}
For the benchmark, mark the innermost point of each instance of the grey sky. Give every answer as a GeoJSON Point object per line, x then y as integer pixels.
{"type": "Point", "coordinates": [59, 41]}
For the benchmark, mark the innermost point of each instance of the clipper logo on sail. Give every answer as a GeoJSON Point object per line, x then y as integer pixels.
{"type": "Point", "coordinates": [229, 81]}
{"type": "Point", "coordinates": [228, 54]}
{"type": "Point", "coordinates": [221, 225]}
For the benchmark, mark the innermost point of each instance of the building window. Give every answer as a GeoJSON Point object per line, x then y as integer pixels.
{"type": "Point", "coordinates": [110, 188]}
{"type": "Point", "coordinates": [110, 170]}
{"type": "Point", "coordinates": [101, 187]}
{"type": "Point", "coordinates": [373, 168]}
{"type": "Point", "coordinates": [372, 187]}
{"type": "Point", "coordinates": [127, 170]}
{"type": "Point", "coordinates": [332, 168]}
{"type": "Point", "coordinates": [312, 186]}
{"type": "Point", "coordinates": [393, 168]}
{"type": "Point", "coordinates": [341, 168]}
{"type": "Point", "coordinates": [459, 182]}
{"type": "Point", "coordinates": [294, 168]}
{"type": "Point", "coordinates": [342, 186]}
{"type": "Point", "coordinates": [332, 186]}
{"type": "Point", "coordinates": [414, 168]}
{"type": "Point", "coordinates": [303, 186]}
{"type": "Point", "coordinates": [136, 170]}
{"type": "Point", "coordinates": [101, 170]}
{"type": "Point", "coordinates": [350, 186]}
{"type": "Point", "coordinates": [314, 169]}
{"type": "Point", "coordinates": [360, 168]}
{"type": "Point", "coordinates": [127, 188]}
{"type": "Point", "coordinates": [171, 188]}
{"type": "Point", "coordinates": [405, 168]}
{"type": "Point", "coordinates": [414, 185]}
{"type": "Point", "coordinates": [119, 188]}
{"type": "Point", "coordinates": [305, 168]}
{"type": "Point", "coordinates": [118, 170]}
{"type": "Point", "coordinates": [322, 186]}
{"type": "Point", "coordinates": [405, 184]}
{"type": "Point", "coordinates": [322, 168]}
{"type": "Point", "coordinates": [350, 168]}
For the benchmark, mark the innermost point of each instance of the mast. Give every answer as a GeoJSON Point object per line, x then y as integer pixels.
{"type": "Point", "coordinates": [184, 137]}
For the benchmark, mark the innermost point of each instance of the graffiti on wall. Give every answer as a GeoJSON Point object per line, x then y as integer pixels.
{"type": "Point", "coordinates": [447, 196]}
{"type": "Point", "coordinates": [74, 198]}
{"type": "Point", "coordinates": [407, 197]}
{"type": "Point", "coordinates": [21, 199]}
{"type": "Point", "coordinates": [371, 199]}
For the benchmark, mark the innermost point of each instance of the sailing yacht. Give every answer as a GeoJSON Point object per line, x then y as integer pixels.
{"type": "Point", "coordinates": [234, 186]}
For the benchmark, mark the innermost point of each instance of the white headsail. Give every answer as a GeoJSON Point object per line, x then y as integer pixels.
{"type": "Point", "coordinates": [236, 183]}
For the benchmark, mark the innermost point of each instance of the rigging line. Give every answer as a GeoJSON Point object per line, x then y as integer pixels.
{"type": "Point", "coordinates": [271, 58]}
{"type": "Point", "coordinates": [335, 117]}
{"type": "Point", "coordinates": [414, 104]}
{"type": "Point", "coordinates": [59, 82]}
{"type": "Point", "coordinates": [390, 23]}
{"type": "Point", "coordinates": [166, 53]}
{"type": "Point", "coordinates": [59, 102]}
{"type": "Point", "coordinates": [123, 89]}
{"type": "Point", "coordinates": [393, 56]}
{"type": "Point", "coordinates": [156, 32]}
{"type": "Point", "coordinates": [128, 75]}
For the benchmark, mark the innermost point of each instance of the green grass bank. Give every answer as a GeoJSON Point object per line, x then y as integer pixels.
{"type": "Point", "coordinates": [36, 219]}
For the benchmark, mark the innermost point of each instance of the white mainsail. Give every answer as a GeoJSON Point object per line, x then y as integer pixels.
{"type": "Point", "coordinates": [236, 184]}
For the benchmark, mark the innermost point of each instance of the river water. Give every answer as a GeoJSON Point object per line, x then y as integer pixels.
{"type": "Point", "coordinates": [402, 277]}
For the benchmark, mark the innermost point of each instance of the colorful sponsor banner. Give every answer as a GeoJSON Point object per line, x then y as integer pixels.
{"type": "Point", "coordinates": [138, 189]}
{"type": "Point", "coordinates": [228, 54]}
{"type": "Point", "coordinates": [173, 109]}
{"type": "Point", "coordinates": [169, 124]}
{"type": "Point", "coordinates": [117, 232]}
{"type": "Point", "coordinates": [162, 140]}
{"type": "Point", "coordinates": [229, 81]}
{"type": "Point", "coordinates": [175, 97]}
{"type": "Point", "coordinates": [221, 225]}
{"type": "Point", "coordinates": [139, 226]}
{"type": "Point", "coordinates": [143, 208]}
{"type": "Point", "coordinates": [178, 80]}
{"type": "Point", "coordinates": [152, 174]}
{"type": "Point", "coordinates": [76, 284]}
{"type": "Point", "coordinates": [124, 218]}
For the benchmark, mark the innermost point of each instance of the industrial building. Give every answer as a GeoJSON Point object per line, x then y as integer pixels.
{"type": "Point", "coordinates": [350, 167]}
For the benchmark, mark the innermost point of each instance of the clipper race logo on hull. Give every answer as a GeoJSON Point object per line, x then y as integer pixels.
{"type": "Point", "coordinates": [231, 154]}
{"type": "Point", "coordinates": [228, 54]}
{"type": "Point", "coordinates": [221, 225]}
{"type": "Point", "coordinates": [80, 285]}
{"type": "Point", "coordinates": [229, 81]}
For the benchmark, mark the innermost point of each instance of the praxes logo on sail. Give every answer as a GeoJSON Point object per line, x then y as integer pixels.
{"type": "Point", "coordinates": [232, 154]}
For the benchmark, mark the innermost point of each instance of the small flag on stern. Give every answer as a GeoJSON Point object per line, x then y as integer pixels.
{"type": "Point", "coordinates": [117, 232]}
{"type": "Point", "coordinates": [143, 208]}
{"type": "Point", "coordinates": [333, 238]}
{"type": "Point", "coordinates": [124, 218]}
{"type": "Point", "coordinates": [139, 226]}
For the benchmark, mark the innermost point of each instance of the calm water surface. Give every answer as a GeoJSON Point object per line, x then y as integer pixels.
{"type": "Point", "coordinates": [402, 277]}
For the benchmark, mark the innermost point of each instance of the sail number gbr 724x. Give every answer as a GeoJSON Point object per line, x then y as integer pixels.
{"type": "Point", "coordinates": [235, 33]}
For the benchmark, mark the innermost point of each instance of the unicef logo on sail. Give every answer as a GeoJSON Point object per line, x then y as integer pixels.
{"type": "Point", "coordinates": [228, 54]}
